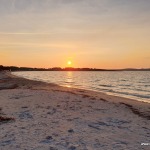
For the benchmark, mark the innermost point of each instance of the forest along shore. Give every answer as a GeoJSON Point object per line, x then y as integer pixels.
{"type": "Point", "coordinates": [38, 115]}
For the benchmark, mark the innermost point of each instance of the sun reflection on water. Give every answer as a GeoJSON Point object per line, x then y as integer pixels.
{"type": "Point", "coordinates": [69, 79]}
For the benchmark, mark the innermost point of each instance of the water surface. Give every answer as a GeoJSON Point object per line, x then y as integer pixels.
{"type": "Point", "coordinates": [131, 84]}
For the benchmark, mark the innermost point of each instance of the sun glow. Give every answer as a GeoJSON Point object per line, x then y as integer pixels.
{"type": "Point", "coordinates": [69, 62]}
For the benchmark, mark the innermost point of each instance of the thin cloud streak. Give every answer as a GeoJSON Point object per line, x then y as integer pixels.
{"type": "Point", "coordinates": [22, 33]}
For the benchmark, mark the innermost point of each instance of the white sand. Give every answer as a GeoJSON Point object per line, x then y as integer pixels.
{"type": "Point", "coordinates": [50, 117]}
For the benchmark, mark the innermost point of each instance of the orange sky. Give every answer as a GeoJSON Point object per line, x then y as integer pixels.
{"type": "Point", "coordinates": [97, 34]}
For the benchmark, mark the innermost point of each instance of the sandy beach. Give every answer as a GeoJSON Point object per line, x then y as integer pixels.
{"type": "Point", "coordinates": [40, 116]}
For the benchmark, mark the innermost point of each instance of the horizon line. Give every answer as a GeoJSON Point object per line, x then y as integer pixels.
{"type": "Point", "coordinates": [78, 68]}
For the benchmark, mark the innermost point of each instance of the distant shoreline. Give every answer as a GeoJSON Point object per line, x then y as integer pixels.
{"type": "Point", "coordinates": [15, 68]}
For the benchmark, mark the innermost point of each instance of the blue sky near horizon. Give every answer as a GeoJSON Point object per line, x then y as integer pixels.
{"type": "Point", "coordinates": [90, 33]}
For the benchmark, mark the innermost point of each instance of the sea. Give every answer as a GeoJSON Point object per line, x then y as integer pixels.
{"type": "Point", "coordinates": [130, 84]}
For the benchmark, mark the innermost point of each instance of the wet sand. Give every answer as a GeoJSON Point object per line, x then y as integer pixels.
{"type": "Point", "coordinates": [40, 116]}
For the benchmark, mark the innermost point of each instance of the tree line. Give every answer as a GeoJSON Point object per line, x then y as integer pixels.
{"type": "Point", "coordinates": [15, 68]}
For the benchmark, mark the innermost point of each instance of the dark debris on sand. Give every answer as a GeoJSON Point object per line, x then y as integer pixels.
{"type": "Point", "coordinates": [136, 111]}
{"type": "Point", "coordinates": [6, 119]}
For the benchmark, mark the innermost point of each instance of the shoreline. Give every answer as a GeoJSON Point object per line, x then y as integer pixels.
{"type": "Point", "coordinates": [24, 83]}
{"type": "Point", "coordinates": [69, 118]}
{"type": "Point", "coordinates": [141, 98]}
{"type": "Point", "coordinates": [80, 89]}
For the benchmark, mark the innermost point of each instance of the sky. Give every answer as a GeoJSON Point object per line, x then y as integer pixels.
{"type": "Point", "coordinates": [89, 33]}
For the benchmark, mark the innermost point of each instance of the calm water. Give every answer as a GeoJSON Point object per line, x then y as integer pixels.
{"type": "Point", "coordinates": [126, 84]}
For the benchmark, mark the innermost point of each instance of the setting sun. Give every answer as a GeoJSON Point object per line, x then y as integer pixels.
{"type": "Point", "coordinates": [69, 62]}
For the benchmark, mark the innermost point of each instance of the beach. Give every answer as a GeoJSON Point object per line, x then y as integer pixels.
{"type": "Point", "coordinates": [41, 116]}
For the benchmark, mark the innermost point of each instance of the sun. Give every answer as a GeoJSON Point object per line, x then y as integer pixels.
{"type": "Point", "coordinates": [69, 62]}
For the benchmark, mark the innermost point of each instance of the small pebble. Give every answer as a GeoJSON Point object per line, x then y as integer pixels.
{"type": "Point", "coordinates": [72, 148]}
{"type": "Point", "coordinates": [70, 130]}
{"type": "Point", "coordinates": [49, 137]}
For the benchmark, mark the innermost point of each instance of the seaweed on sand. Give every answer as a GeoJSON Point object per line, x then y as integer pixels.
{"type": "Point", "coordinates": [6, 119]}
